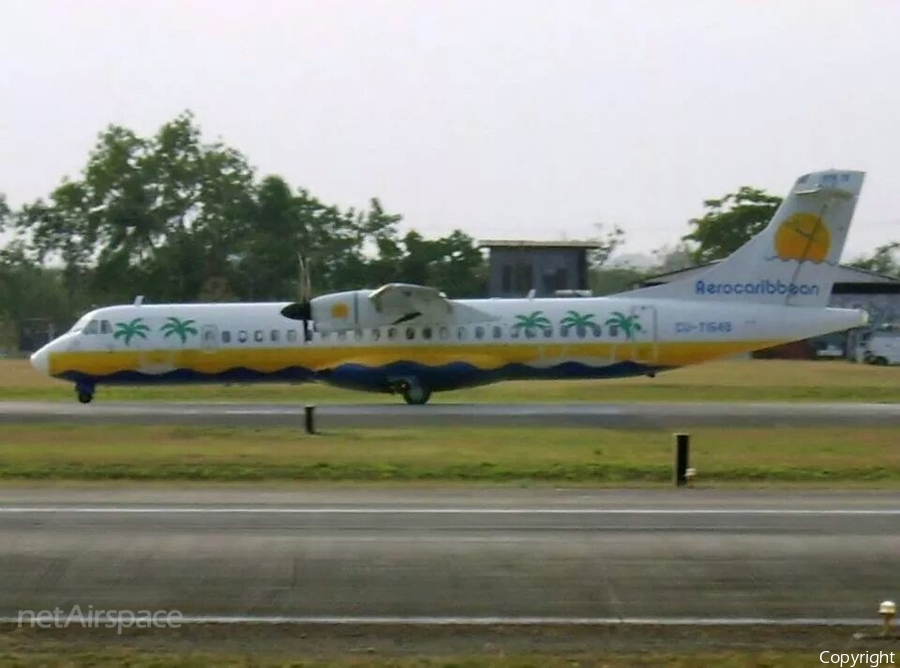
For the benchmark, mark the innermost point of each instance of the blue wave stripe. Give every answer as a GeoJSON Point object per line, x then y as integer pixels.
{"type": "Point", "coordinates": [355, 376]}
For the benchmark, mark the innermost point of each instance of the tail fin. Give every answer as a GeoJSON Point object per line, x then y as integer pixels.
{"type": "Point", "coordinates": [792, 261]}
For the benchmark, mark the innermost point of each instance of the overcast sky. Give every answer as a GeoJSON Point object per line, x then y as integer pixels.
{"type": "Point", "coordinates": [506, 118]}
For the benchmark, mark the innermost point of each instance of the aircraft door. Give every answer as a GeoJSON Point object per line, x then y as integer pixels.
{"type": "Point", "coordinates": [209, 338]}
{"type": "Point", "coordinates": [641, 329]}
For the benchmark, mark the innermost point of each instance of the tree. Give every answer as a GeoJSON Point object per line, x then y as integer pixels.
{"type": "Point", "coordinates": [885, 260]}
{"type": "Point", "coordinates": [608, 243]}
{"type": "Point", "coordinates": [672, 259]}
{"type": "Point", "coordinates": [4, 212]}
{"type": "Point", "coordinates": [730, 222]}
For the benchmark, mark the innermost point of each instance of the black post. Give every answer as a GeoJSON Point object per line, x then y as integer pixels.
{"type": "Point", "coordinates": [310, 426]}
{"type": "Point", "coordinates": [682, 444]}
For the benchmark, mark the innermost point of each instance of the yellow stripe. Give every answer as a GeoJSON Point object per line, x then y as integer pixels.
{"type": "Point", "coordinates": [482, 356]}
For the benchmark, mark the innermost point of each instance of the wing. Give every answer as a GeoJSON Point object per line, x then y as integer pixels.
{"type": "Point", "coordinates": [407, 298]}
{"type": "Point", "coordinates": [391, 304]}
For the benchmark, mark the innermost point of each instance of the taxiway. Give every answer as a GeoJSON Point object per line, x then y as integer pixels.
{"type": "Point", "coordinates": [618, 416]}
{"type": "Point", "coordinates": [356, 554]}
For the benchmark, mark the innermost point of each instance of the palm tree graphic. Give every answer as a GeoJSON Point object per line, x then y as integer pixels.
{"type": "Point", "coordinates": [180, 328]}
{"type": "Point", "coordinates": [529, 323]}
{"type": "Point", "coordinates": [627, 323]}
{"type": "Point", "coordinates": [580, 321]}
{"type": "Point", "coordinates": [129, 330]}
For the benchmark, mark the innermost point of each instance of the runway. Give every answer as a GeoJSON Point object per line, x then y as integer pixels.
{"type": "Point", "coordinates": [617, 416]}
{"type": "Point", "coordinates": [470, 555]}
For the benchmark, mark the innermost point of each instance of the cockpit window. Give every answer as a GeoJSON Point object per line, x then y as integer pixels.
{"type": "Point", "coordinates": [93, 327]}
{"type": "Point", "coordinates": [82, 322]}
{"type": "Point", "coordinates": [105, 327]}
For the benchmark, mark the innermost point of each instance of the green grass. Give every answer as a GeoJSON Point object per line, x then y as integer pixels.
{"type": "Point", "coordinates": [489, 455]}
{"type": "Point", "coordinates": [141, 659]}
{"type": "Point", "coordinates": [731, 380]}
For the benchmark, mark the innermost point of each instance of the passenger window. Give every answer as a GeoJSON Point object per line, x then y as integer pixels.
{"type": "Point", "coordinates": [461, 333]}
{"type": "Point", "coordinates": [581, 331]}
{"type": "Point", "coordinates": [548, 332]}
{"type": "Point", "coordinates": [392, 333]}
{"type": "Point", "coordinates": [258, 336]}
{"type": "Point", "coordinates": [226, 337]}
{"type": "Point", "coordinates": [92, 328]}
{"type": "Point", "coordinates": [291, 335]}
{"type": "Point", "coordinates": [479, 332]}
{"type": "Point", "coordinates": [105, 327]}
{"type": "Point", "coordinates": [242, 336]}
{"type": "Point", "coordinates": [598, 331]}
{"type": "Point", "coordinates": [275, 336]}
{"type": "Point", "coordinates": [614, 330]}
{"type": "Point", "coordinates": [498, 332]}
{"type": "Point", "coordinates": [376, 334]}
{"type": "Point", "coordinates": [514, 332]}
{"type": "Point", "coordinates": [410, 333]}
{"type": "Point", "coordinates": [326, 336]}
{"type": "Point", "coordinates": [358, 335]}
{"type": "Point", "coordinates": [342, 336]}
{"type": "Point", "coordinates": [564, 332]}
{"type": "Point", "coordinates": [426, 332]}
{"type": "Point", "coordinates": [445, 333]}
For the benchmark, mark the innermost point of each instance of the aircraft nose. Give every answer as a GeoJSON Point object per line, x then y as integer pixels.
{"type": "Point", "coordinates": [41, 360]}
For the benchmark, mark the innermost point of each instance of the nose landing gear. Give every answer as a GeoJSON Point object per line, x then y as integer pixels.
{"type": "Point", "coordinates": [85, 392]}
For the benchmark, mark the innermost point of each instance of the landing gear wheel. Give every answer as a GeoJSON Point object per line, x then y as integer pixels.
{"type": "Point", "coordinates": [416, 395]}
{"type": "Point", "coordinates": [85, 393]}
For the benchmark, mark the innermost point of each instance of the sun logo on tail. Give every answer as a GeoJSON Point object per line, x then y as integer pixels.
{"type": "Point", "coordinates": [803, 237]}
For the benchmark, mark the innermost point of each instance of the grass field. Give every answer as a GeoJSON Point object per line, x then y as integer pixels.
{"type": "Point", "coordinates": [117, 657]}
{"type": "Point", "coordinates": [869, 456]}
{"type": "Point", "coordinates": [731, 380]}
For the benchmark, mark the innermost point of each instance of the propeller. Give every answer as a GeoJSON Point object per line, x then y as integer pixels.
{"type": "Point", "coordinates": [302, 308]}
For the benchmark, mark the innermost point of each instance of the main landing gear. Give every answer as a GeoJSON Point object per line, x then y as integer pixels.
{"type": "Point", "coordinates": [413, 393]}
{"type": "Point", "coordinates": [85, 392]}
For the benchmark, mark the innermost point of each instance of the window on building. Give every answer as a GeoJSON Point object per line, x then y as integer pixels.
{"type": "Point", "coordinates": [522, 278]}
{"type": "Point", "coordinates": [506, 282]}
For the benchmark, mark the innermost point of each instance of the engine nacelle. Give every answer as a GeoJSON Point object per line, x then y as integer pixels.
{"type": "Point", "coordinates": [342, 311]}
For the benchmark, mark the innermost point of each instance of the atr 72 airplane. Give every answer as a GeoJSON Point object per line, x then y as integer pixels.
{"type": "Point", "coordinates": [414, 340]}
